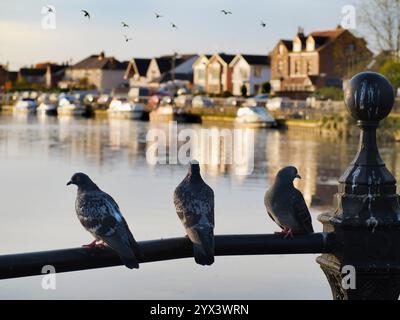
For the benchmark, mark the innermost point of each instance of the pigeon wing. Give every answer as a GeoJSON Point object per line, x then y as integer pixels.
{"type": "Point", "coordinates": [124, 225]}
{"type": "Point", "coordinates": [269, 208]}
{"type": "Point", "coordinates": [301, 212]}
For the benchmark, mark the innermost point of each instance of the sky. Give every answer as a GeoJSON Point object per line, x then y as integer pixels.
{"type": "Point", "coordinates": [202, 27]}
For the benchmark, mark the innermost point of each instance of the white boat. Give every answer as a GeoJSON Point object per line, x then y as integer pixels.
{"type": "Point", "coordinates": [123, 108]}
{"type": "Point", "coordinates": [70, 106]}
{"type": "Point", "coordinates": [47, 108]}
{"type": "Point", "coordinates": [255, 115]}
{"type": "Point", "coordinates": [25, 105]}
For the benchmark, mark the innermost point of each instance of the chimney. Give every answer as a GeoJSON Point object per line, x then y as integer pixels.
{"type": "Point", "coordinates": [300, 31]}
{"type": "Point", "coordinates": [101, 55]}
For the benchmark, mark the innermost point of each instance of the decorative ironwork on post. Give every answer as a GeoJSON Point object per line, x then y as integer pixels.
{"type": "Point", "coordinates": [366, 222]}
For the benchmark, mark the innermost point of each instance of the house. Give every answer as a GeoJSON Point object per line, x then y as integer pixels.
{"type": "Point", "coordinates": [32, 76]}
{"type": "Point", "coordinates": [323, 58]}
{"type": "Point", "coordinates": [54, 73]}
{"type": "Point", "coordinates": [99, 71]}
{"type": "Point", "coordinates": [199, 72]}
{"type": "Point", "coordinates": [136, 72]}
{"type": "Point", "coordinates": [250, 71]}
{"type": "Point", "coordinates": [166, 68]}
{"type": "Point", "coordinates": [219, 74]}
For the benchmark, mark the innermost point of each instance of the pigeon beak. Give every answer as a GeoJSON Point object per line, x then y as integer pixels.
{"type": "Point", "coordinates": [69, 183]}
{"type": "Point", "coordinates": [298, 176]}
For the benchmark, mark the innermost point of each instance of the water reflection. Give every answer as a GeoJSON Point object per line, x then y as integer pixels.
{"type": "Point", "coordinates": [107, 142]}
{"type": "Point", "coordinates": [38, 155]}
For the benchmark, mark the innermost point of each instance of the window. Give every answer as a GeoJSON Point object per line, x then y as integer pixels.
{"type": "Point", "coordinates": [257, 72]}
{"type": "Point", "coordinates": [297, 45]}
{"type": "Point", "coordinates": [280, 66]}
{"type": "Point", "coordinates": [310, 44]}
{"type": "Point", "coordinates": [214, 73]}
{"type": "Point", "coordinates": [309, 67]}
{"type": "Point", "coordinates": [351, 47]}
{"type": "Point", "coordinates": [243, 73]}
{"type": "Point", "coordinates": [201, 74]}
{"type": "Point", "coordinates": [297, 67]}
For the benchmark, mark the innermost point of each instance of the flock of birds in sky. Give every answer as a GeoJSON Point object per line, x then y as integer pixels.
{"type": "Point", "coordinates": [86, 14]}
{"type": "Point", "coordinates": [194, 203]}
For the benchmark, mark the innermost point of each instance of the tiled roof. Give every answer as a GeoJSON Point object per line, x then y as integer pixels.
{"type": "Point", "coordinates": [288, 44]}
{"type": "Point", "coordinates": [142, 65]}
{"type": "Point", "coordinates": [227, 57]}
{"type": "Point", "coordinates": [100, 62]}
{"type": "Point", "coordinates": [256, 59]}
{"type": "Point", "coordinates": [32, 72]}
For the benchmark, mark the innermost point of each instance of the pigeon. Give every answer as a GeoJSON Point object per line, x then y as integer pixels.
{"type": "Point", "coordinates": [225, 12]}
{"type": "Point", "coordinates": [100, 215]}
{"type": "Point", "coordinates": [173, 25]}
{"type": "Point", "coordinates": [124, 24]}
{"type": "Point", "coordinates": [126, 38]}
{"type": "Point", "coordinates": [286, 206]}
{"type": "Point", "coordinates": [263, 24]}
{"type": "Point", "coordinates": [86, 14]}
{"type": "Point", "coordinates": [158, 15]}
{"type": "Point", "coordinates": [194, 203]}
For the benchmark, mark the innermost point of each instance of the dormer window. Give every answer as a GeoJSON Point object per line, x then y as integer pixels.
{"type": "Point", "coordinates": [310, 44]}
{"type": "Point", "coordinates": [297, 45]}
{"type": "Point", "coordinates": [281, 49]}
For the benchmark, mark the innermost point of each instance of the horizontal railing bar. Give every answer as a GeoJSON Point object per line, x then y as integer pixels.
{"type": "Point", "coordinates": [75, 259]}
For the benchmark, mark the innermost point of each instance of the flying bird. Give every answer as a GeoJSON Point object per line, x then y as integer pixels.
{"type": "Point", "coordinates": [194, 203]}
{"type": "Point", "coordinates": [124, 24]}
{"type": "Point", "coordinates": [126, 38]}
{"type": "Point", "coordinates": [86, 14]}
{"type": "Point", "coordinates": [286, 206]}
{"type": "Point", "coordinates": [158, 15]}
{"type": "Point", "coordinates": [49, 9]}
{"type": "Point", "coordinates": [263, 24]}
{"type": "Point", "coordinates": [225, 12]}
{"type": "Point", "coordinates": [100, 215]}
{"type": "Point", "coordinates": [173, 25]}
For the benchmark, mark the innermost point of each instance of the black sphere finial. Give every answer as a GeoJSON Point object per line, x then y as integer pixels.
{"type": "Point", "coordinates": [369, 96]}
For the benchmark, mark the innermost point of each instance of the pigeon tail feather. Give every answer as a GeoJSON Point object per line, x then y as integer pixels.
{"type": "Point", "coordinates": [202, 258]}
{"type": "Point", "coordinates": [135, 247]}
{"type": "Point", "coordinates": [130, 262]}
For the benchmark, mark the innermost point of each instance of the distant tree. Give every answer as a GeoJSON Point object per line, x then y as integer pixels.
{"type": "Point", "coordinates": [391, 70]}
{"type": "Point", "coordinates": [266, 87]}
{"type": "Point", "coordinates": [332, 93]}
{"type": "Point", "coordinates": [381, 20]}
{"type": "Point", "coordinates": [243, 90]}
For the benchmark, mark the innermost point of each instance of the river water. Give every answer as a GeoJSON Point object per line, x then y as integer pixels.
{"type": "Point", "coordinates": [38, 156]}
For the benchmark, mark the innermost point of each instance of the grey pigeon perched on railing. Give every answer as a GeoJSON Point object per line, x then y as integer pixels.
{"type": "Point", "coordinates": [286, 206]}
{"type": "Point", "coordinates": [194, 203]}
{"type": "Point", "coordinates": [100, 215]}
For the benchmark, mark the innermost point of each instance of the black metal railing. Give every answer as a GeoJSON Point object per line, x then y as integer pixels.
{"type": "Point", "coordinates": [65, 260]}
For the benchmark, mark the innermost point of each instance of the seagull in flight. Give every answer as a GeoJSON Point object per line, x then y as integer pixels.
{"type": "Point", "coordinates": [158, 15]}
{"type": "Point", "coordinates": [49, 9]}
{"type": "Point", "coordinates": [263, 24]}
{"type": "Point", "coordinates": [225, 12]}
{"type": "Point", "coordinates": [127, 39]}
{"type": "Point", "coordinates": [86, 14]}
{"type": "Point", "coordinates": [124, 24]}
{"type": "Point", "coordinates": [173, 25]}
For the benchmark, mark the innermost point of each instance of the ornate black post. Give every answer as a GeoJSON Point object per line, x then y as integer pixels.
{"type": "Point", "coordinates": [366, 222]}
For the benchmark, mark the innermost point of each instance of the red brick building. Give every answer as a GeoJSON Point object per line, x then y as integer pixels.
{"type": "Point", "coordinates": [323, 58]}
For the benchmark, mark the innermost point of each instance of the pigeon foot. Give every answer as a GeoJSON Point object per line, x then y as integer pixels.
{"type": "Point", "coordinates": [90, 245]}
{"type": "Point", "coordinates": [101, 245]}
{"type": "Point", "coordinates": [285, 233]}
